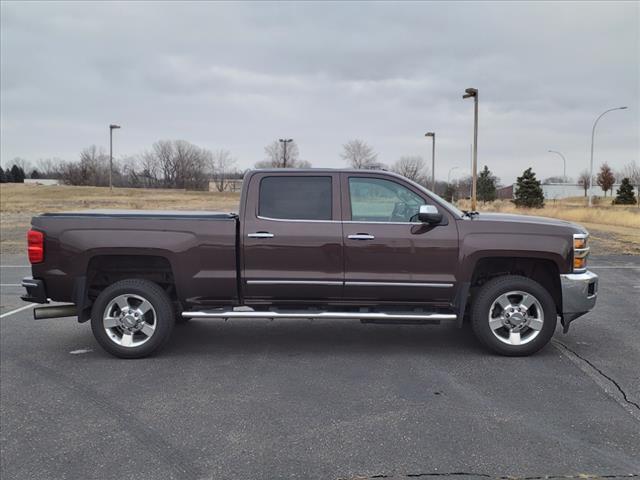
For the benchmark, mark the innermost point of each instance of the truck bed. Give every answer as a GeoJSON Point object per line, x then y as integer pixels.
{"type": "Point", "coordinates": [200, 246]}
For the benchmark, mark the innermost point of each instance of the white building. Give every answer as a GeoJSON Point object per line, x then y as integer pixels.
{"type": "Point", "coordinates": [41, 181]}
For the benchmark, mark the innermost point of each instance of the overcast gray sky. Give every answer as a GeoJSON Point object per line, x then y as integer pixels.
{"type": "Point", "coordinates": [238, 76]}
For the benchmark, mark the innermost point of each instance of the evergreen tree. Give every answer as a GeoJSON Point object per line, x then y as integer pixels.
{"type": "Point", "coordinates": [528, 191]}
{"type": "Point", "coordinates": [3, 176]}
{"type": "Point", "coordinates": [8, 175]}
{"type": "Point", "coordinates": [625, 195]}
{"type": "Point", "coordinates": [486, 185]}
{"type": "Point", "coordinates": [17, 173]}
{"type": "Point", "coordinates": [35, 173]}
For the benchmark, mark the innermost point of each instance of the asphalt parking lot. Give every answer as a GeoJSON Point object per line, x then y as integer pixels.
{"type": "Point", "coordinates": [327, 400]}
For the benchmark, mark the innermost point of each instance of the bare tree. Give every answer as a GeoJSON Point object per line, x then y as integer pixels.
{"type": "Point", "coordinates": [464, 186]}
{"type": "Point", "coordinates": [221, 165]}
{"type": "Point", "coordinates": [275, 156]}
{"type": "Point", "coordinates": [358, 154]}
{"type": "Point", "coordinates": [48, 167]}
{"type": "Point", "coordinates": [175, 164]}
{"type": "Point", "coordinates": [190, 163]}
{"type": "Point", "coordinates": [605, 178]}
{"type": "Point", "coordinates": [150, 170]}
{"type": "Point", "coordinates": [91, 169]}
{"type": "Point", "coordinates": [412, 167]}
{"type": "Point", "coordinates": [583, 180]}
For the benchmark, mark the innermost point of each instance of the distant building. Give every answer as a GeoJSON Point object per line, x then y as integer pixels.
{"type": "Point", "coordinates": [41, 181]}
{"type": "Point", "coordinates": [556, 191]}
{"type": "Point", "coordinates": [505, 193]}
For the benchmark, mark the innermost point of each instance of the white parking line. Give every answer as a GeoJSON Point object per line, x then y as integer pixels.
{"type": "Point", "coordinates": [24, 307]}
{"type": "Point", "coordinates": [10, 285]}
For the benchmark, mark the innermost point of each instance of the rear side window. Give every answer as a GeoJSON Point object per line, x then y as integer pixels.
{"type": "Point", "coordinates": [295, 198]}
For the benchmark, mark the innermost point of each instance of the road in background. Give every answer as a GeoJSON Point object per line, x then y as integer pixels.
{"type": "Point", "coordinates": [319, 399]}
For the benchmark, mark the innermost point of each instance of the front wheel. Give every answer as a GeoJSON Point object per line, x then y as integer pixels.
{"type": "Point", "coordinates": [513, 315]}
{"type": "Point", "coordinates": [132, 318]}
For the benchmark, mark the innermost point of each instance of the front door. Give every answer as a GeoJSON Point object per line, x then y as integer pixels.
{"type": "Point", "coordinates": [389, 255]}
{"type": "Point", "coordinates": [292, 239]}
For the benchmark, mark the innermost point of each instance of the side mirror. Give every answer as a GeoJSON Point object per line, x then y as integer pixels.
{"type": "Point", "coordinates": [429, 214]}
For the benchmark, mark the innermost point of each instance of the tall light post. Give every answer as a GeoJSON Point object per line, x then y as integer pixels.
{"type": "Point", "coordinates": [564, 162]}
{"type": "Point", "coordinates": [112, 127]}
{"type": "Point", "coordinates": [473, 92]}
{"type": "Point", "coordinates": [593, 133]}
{"type": "Point", "coordinates": [284, 142]}
{"type": "Point", "coordinates": [433, 160]}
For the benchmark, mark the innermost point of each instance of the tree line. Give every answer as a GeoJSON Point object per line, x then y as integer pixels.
{"type": "Point", "coordinates": [181, 164]}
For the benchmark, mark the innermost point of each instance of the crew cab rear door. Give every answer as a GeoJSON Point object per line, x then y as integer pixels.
{"type": "Point", "coordinates": [292, 237]}
{"type": "Point", "coordinates": [389, 255]}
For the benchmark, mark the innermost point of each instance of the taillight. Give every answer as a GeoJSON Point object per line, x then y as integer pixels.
{"type": "Point", "coordinates": [35, 246]}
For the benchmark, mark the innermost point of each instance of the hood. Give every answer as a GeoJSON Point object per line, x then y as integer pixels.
{"type": "Point", "coordinates": [527, 219]}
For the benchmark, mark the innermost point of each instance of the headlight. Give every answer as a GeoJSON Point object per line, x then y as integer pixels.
{"type": "Point", "coordinates": [580, 252]}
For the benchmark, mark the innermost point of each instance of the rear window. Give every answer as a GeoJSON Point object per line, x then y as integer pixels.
{"type": "Point", "coordinates": [295, 198]}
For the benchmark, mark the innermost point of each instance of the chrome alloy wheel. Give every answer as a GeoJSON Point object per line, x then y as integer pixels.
{"type": "Point", "coordinates": [516, 318]}
{"type": "Point", "coordinates": [129, 320]}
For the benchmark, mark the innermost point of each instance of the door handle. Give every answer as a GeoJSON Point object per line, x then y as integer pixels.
{"type": "Point", "coordinates": [361, 236]}
{"type": "Point", "coordinates": [261, 235]}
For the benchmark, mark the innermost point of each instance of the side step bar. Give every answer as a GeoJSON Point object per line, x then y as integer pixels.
{"type": "Point", "coordinates": [368, 317]}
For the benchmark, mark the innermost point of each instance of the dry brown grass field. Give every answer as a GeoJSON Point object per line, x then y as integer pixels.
{"type": "Point", "coordinates": [614, 229]}
{"type": "Point", "coordinates": [18, 203]}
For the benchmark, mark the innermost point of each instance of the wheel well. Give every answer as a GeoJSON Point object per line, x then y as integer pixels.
{"type": "Point", "coordinates": [543, 271]}
{"type": "Point", "coordinates": [103, 270]}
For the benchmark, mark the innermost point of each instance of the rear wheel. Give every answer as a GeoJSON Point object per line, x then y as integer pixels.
{"type": "Point", "coordinates": [513, 315]}
{"type": "Point", "coordinates": [132, 318]}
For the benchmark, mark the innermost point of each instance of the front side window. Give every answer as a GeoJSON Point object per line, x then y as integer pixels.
{"type": "Point", "coordinates": [378, 200]}
{"type": "Point", "coordinates": [295, 198]}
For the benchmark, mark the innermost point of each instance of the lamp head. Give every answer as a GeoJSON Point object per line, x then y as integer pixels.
{"type": "Point", "coordinates": [430, 134]}
{"type": "Point", "coordinates": [113, 126]}
{"type": "Point", "coordinates": [470, 92]}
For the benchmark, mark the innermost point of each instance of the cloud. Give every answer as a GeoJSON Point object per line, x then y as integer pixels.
{"type": "Point", "coordinates": [237, 76]}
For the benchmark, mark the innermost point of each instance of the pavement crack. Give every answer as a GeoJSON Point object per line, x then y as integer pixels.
{"type": "Point", "coordinates": [618, 387]}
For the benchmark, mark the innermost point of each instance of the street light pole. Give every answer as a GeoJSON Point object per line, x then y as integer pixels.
{"type": "Point", "coordinates": [593, 133]}
{"type": "Point", "coordinates": [473, 92]}
{"type": "Point", "coordinates": [564, 162]}
{"type": "Point", "coordinates": [111, 128]}
{"type": "Point", "coordinates": [284, 142]}
{"type": "Point", "coordinates": [433, 160]}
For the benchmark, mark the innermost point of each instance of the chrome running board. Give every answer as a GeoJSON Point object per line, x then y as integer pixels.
{"type": "Point", "coordinates": [370, 317]}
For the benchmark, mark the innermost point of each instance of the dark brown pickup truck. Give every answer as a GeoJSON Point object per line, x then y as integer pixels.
{"type": "Point", "coordinates": [318, 243]}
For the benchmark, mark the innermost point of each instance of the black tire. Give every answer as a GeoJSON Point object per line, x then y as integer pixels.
{"type": "Point", "coordinates": [490, 292]}
{"type": "Point", "coordinates": [163, 318]}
